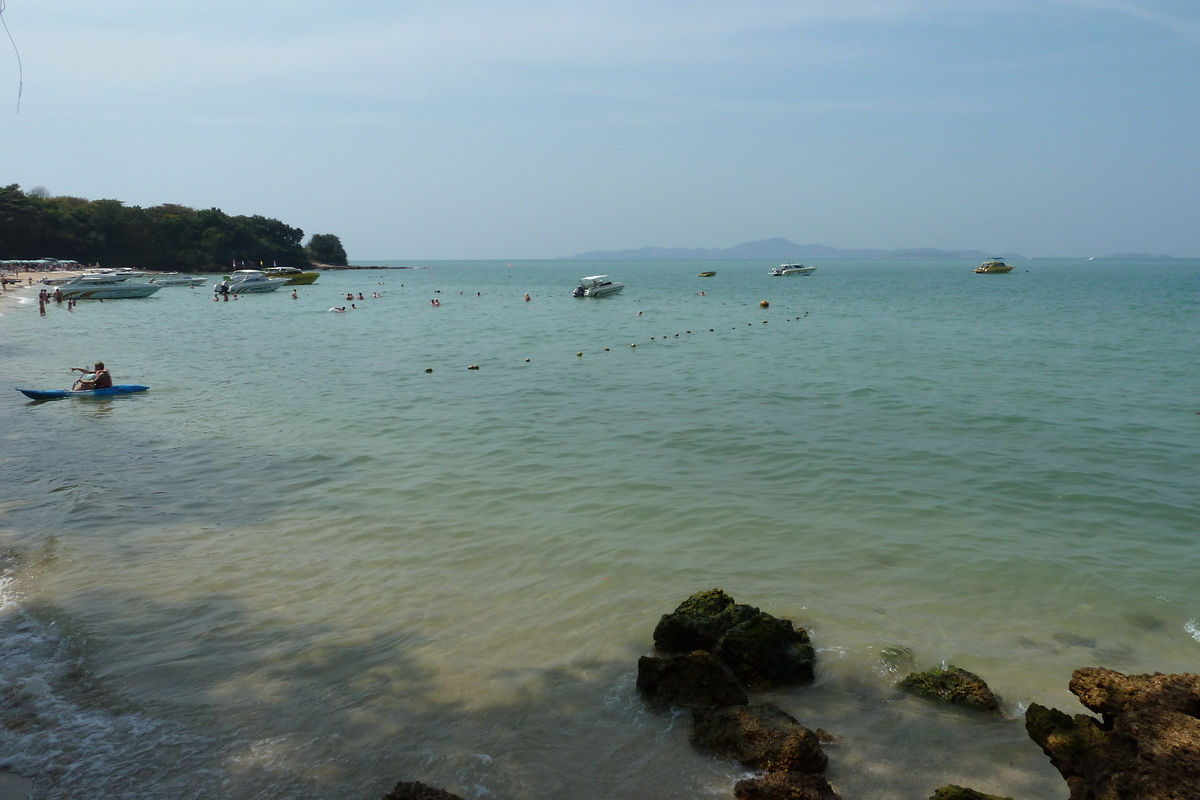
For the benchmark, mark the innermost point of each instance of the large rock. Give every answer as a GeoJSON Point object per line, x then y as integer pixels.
{"type": "Point", "coordinates": [766, 651]}
{"type": "Point", "coordinates": [693, 680]}
{"type": "Point", "coordinates": [785, 786]}
{"type": "Point", "coordinates": [418, 791]}
{"type": "Point", "coordinates": [761, 737]}
{"type": "Point", "coordinates": [762, 650]}
{"type": "Point", "coordinates": [952, 685]}
{"type": "Point", "coordinates": [953, 792]}
{"type": "Point", "coordinates": [699, 622]}
{"type": "Point", "coordinates": [1147, 746]}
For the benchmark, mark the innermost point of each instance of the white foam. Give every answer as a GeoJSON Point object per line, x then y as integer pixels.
{"type": "Point", "coordinates": [1192, 628]}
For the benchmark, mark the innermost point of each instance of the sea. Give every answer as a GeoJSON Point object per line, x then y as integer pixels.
{"type": "Point", "coordinates": [324, 554]}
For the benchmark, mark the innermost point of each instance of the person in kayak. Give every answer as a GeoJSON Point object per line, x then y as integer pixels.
{"type": "Point", "coordinates": [100, 378]}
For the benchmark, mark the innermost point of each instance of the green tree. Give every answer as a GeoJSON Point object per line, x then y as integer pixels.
{"type": "Point", "coordinates": [327, 249]}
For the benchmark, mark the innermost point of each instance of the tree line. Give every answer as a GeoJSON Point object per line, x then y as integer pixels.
{"type": "Point", "coordinates": [36, 225]}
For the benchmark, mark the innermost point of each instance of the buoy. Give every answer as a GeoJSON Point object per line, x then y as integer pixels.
{"type": "Point", "coordinates": [606, 349]}
{"type": "Point", "coordinates": [633, 345]}
{"type": "Point", "coordinates": [764, 322]}
{"type": "Point", "coordinates": [580, 354]}
{"type": "Point", "coordinates": [473, 366]}
{"type": "Point", "coordinates": [429, 369]}
{"type": "Point", "coordinates": [763, 304]}
{"type": "Point", "coordinates": [527, 361]}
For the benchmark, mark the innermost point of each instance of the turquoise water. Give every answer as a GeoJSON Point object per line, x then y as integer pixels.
{"type": "Point", "coordinates": [301, 566]}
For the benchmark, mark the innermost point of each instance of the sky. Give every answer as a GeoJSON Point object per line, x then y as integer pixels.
{"type": "Point", "coordinates": [522, 130]}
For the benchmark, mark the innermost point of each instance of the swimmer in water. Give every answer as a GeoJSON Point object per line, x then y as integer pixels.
{"type": "Point", "coordinates": [294, 295]}
{"type": "Point", "coordinates": [339, 309]}
{"type": "Point", "coordinates": [527, 297]}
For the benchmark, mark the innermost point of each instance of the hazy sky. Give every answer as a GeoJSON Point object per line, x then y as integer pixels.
{"type": "Point", "coordinates": [458, 129]}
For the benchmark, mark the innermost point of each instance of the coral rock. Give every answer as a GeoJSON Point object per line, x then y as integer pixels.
{"type": "Point", "coordinates": [1146, 747]}
{"type": "Point", "coordinates": [952, 685]}
{"type": "Point", "coordinates": [418, 791]}
{"type": "Point", "coordinates": [694, 680]}
{"type": "Point", "coordinates": [953, 792]}
{"type": "Point", "coordinates": [760, 737]}
{"type": "Point", "coordinates": [785, 786]}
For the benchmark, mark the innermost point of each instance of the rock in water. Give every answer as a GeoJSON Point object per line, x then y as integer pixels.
{"type": "Point", "coordinates": [760, 737]}
{"type": "Point", "coordinates": [1147, 747]}
{"type": "Point", "coordinates": [785, 786]}
{"type": "Point", "coordinates": [765, 651]}
{"type": "Point", "coordinates": [762, 650]}
{"type": "Point", "coordinates": [959, 793]}
{"type": "Point", "coordinates": [693, 680]}
{"type": "Point", "coordinates": [418, 791]}
{"type": "Point", "coordinates": [952, 685]}
{"type": "Point", "coordinates": [699, 622]}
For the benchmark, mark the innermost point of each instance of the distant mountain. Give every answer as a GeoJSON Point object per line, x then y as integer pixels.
{"type": "Point", "coordinates": [774, 248]}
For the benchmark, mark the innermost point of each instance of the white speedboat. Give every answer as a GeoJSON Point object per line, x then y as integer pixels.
{"type": "Point", "coordinates": [175, 279]}
{"type": "Point", "coordinates": [792, 269]}
{"type": "Point", "coordinates": [249, 281]}
{"type": "Point", "coordinates": [104, 287]}
{"type": "Point", "coordinates": [597, 286]}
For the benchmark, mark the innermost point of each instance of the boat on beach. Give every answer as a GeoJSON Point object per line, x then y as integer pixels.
{"type": "Point", "coordinates": [295, 276]}
{"type": "Point", "coordinates": [791, 269]}
{"type": "Point", "coordinates": [597, 286]}
{"type": "Point", "coordinates": [993, 266]}
{"type": "Point", "coordinates": [249, 281]}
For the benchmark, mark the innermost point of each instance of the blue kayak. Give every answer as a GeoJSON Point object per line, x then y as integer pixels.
{"type": "Point", "coordinates": [54, 394]}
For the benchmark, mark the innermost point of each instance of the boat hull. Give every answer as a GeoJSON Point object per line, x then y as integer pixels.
{"type": "Point", "coordinates": [993, 270]}
{"type": "Point", "coordinates": [57, 394]}
{"type": "Point", "coordinates": [604, 291]}
{"type": "Point", "coordinates": [116, 291]}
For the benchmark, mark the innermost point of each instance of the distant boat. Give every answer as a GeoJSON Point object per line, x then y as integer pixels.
{"type": "Point", "coordinates": [175, 279]}
{"type": "Point", "coordinates": [993, 266]}
{"type": "Point", "coordinates": [597, 286]}
{"type": "Point", "coordinates": [294, 275]}
{"type": "Point", "coordinates": [708, 274]}
{"type": "Point", "coordinates": [792, 269]}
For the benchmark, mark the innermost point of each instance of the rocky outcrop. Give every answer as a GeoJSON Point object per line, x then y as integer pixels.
{"type": "Point", "coordinates": [952, 685]}
{"type": "Point", "coordinates": [692, 680]}
{"type": "Point", "coordinates": [418, 791]}
{"type": "Point", "coordinates": [1146, 746]}
{"type": "Point", "coordinates": [785, 786]}
{"type": "Point", "coordinates": [959, 793]}
{"type": "Point", "coordinates": [762, 650]}
{"type": "Point", "coordinates": [708, 648]}
{"type": "Point", "coordinates": [761, 737]}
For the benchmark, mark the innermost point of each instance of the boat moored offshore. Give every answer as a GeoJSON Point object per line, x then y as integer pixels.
{"type": "Point", "coordinates": [792, 269]}
{"type": "Point", "coordinates": [993, 266]}
{"type": "Point", "coordinates": [597, 286]}
{"type": "Point", "coordinates": [295, 276]}
{"type": "Point", "coordinates": [248, 281]}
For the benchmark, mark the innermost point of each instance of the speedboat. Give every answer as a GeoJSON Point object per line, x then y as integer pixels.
{"type": "Point", "coordinates": [792, 269]}
{"type": "Point", "coordinates": [597, 286]}
{"type": "Point", "coordinates": [708, 274]}
{"type": "Point", "coordinates": [294, 275]}
{"type": "Point", "coordinates": [175, 279]}
{"type": "Point", "coordinates": [104, 287]}
{"type": "Point", "coordinates": [993, 266]}
{"type": "Point", "coordinates": [248, 281]}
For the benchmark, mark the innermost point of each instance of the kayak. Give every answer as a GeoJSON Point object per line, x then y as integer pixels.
{"type": "Point", "coordinates": [54, 394]}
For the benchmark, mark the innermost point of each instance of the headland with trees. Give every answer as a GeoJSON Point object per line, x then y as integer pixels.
{"type": "Point", "coordinates": [34, 224]}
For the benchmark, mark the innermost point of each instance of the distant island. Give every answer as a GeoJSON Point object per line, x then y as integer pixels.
{"type": "Point", "coordinates": [36, 225]}
{"type": "Point", "coordinates": [776, 248]}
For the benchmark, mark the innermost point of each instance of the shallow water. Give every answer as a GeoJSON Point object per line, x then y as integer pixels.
{"type": "Point", "coordinates": [301, 566]}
